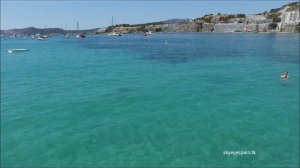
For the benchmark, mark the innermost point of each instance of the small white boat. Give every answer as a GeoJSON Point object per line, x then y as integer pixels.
{"type": "Point", "coordinates": [44, 36]}
{"type": "Point", "coordinates": [148, 33]}
{"type": "Point", "coordinates": [42, 39]}
{"type": "Point", "coordinates": [114, 34]}
{"type": "Point", "coordinates": [16, 50]}
{"type": "Point", "coordinates": [67, 36]}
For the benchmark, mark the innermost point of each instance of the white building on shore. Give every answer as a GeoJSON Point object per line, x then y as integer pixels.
{"type": "Point", "coordinates": [290, 17]}
{"type": "Point", "coordinates": [257, 19]}
{"type": "Point", "coordinates": [229, 27]}
{"type": "Point", "coordinates": [289, 21]}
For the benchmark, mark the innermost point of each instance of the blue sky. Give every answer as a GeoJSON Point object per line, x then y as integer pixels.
{"type": "Point", "coordinates": [92, 14]}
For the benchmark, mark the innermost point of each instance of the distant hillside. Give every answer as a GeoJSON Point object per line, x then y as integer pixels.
{"type": "Point", "coordinates": [294, 6]}
{"type": "Point", "coordinates": [170, 21]}
{"type": "Point", "coordinates": [225, 18]}
{"type": "Point", "coordinates": [141, 27]}
{"type": "Point", "coordinates": [274, 14]}
{"type": "Point", "coordinates": [33, 31]}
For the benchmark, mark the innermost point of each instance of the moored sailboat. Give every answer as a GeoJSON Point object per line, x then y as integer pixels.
{"type": "Point", "coordinates": [113, 33]}
{"type": "Point", "coordinates": [80, 35]}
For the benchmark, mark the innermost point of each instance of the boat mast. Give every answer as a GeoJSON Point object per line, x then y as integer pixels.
{"type": "Point", "coordinates": [77, 26]}
{"type": "Point", "coordinates": [112, 24]}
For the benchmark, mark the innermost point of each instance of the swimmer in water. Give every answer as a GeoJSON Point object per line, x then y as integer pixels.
{"type": "Point", "coordinates": [285, 75]}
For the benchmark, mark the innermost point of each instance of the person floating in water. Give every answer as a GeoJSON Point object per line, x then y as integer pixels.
{"type": "Point", "coordinates": [284, 75]}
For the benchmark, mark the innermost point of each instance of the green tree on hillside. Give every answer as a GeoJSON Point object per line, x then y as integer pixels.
{"type": "Point", "coordinates": [275, 17]}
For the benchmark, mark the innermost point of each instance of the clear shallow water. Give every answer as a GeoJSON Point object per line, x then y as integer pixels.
{"type": "Point", "coordinates": [139, 101]}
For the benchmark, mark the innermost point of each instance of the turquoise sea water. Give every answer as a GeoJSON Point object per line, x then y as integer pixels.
{"type": "Point", "coordinates": [167, 100]}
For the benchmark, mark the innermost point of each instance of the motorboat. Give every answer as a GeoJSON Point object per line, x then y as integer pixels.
{"type": "Point", "coordinates": [114, 34]}
{"type": "Point", "coordinates": [42, 39]}
{"type": "Point", "coordinates": [148, 33]}
{"type": "Point", "coordinates": [44, 36]}
{"type": "Point", "coordinates": [67, 36]}
{"type": "Point", "coordinates": [17, 50]}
